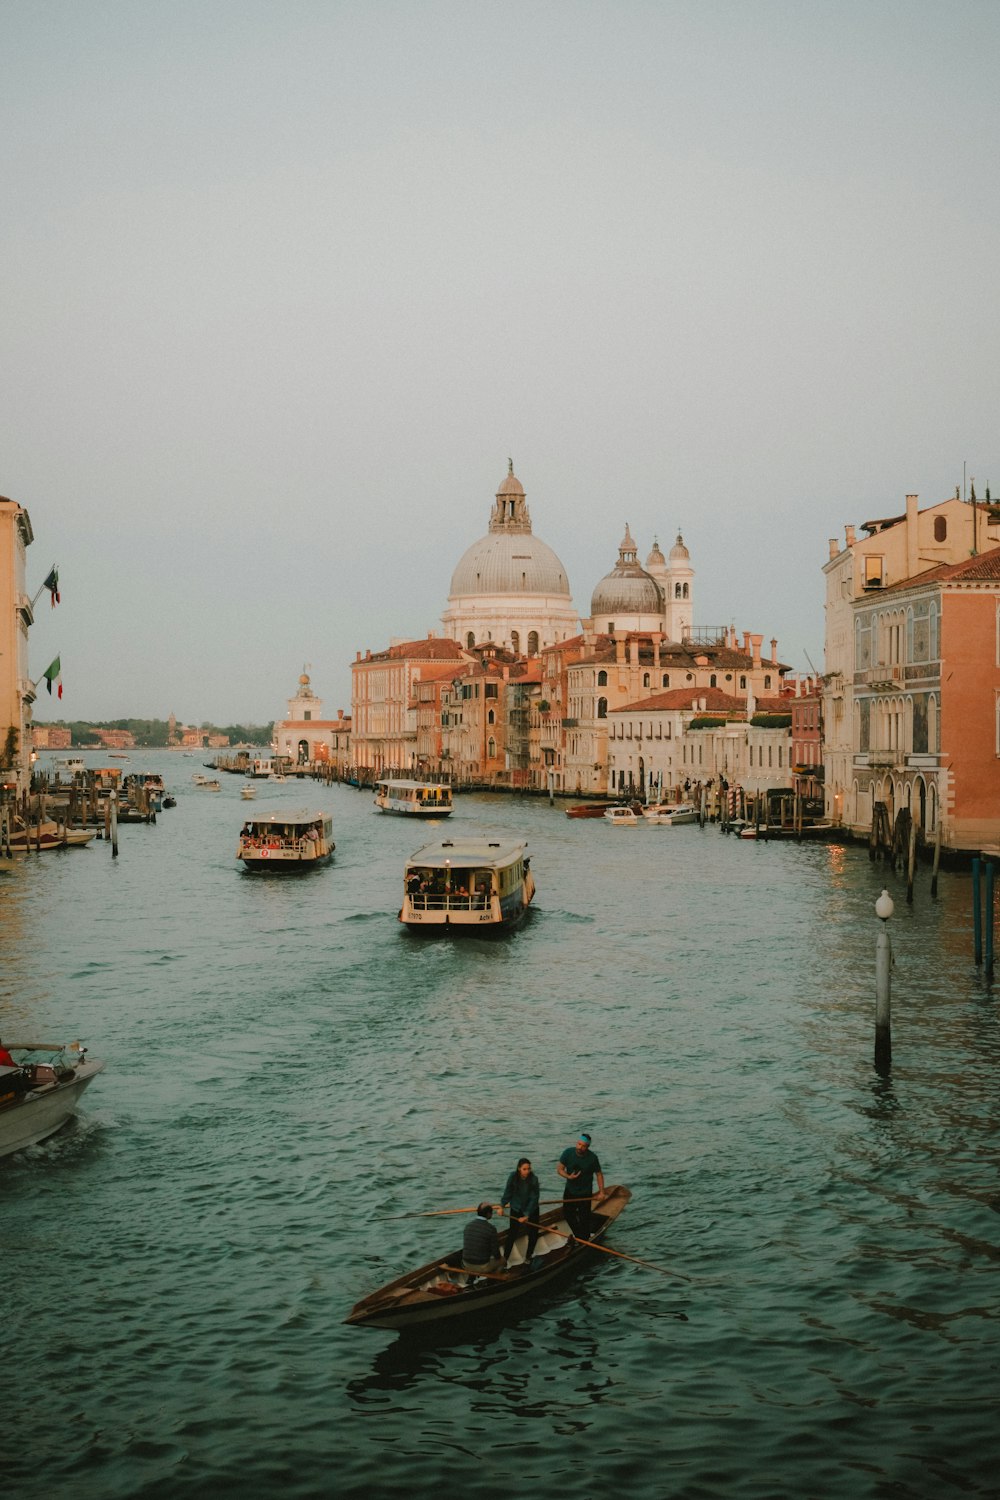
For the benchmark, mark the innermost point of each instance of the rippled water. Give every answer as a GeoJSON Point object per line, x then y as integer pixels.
{"type": "Point", "coordinates": [287, 1067]}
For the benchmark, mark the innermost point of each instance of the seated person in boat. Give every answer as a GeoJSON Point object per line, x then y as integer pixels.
{"type": "Point", "coordinates": [481, 1243]}
{"type": "Point", "coordinates": [6, 1061]}
{"type": "Point", "coordinates": [520, 1203]}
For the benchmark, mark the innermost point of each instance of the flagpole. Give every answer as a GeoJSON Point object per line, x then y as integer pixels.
{"type": "Point", "coordinates": [41, 591]}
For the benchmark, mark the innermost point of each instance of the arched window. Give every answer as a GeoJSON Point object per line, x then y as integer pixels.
{"type": "Point", "coordinates": [602, 708]}
{"type": "Point", "coordinates": [532, 642]}
{"type": "Point", "coordinates": [515, 642]}
{"type": "Point", "coordinates": [645, 679]}
{"type": "Point", "coordinates": [470, 640]}
{"type": "Point", "coordinates": [491, 747]}
{"type": "Point", "coordinates": [713, 681]}
{"type": "Point", "coordinates": [602, 678]}
{"type": "Point", "coordinates": [491, 717]}
{"type": "Point", "coordinates": [743, 683]}
{"type": "Point", "coordinates": [677, 591]}
{"type": "Point", "coordinates": [940, 528]}
{"type": "Point", "coordinates": [666, 679]}
{"type": "Point", "coordinates": [685, 591]}
{"type": "Point", "coordinates": [767, 682]}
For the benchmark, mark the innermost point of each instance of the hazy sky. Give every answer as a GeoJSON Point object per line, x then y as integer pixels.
{"type": "Point", "coordinates": [284, 284]}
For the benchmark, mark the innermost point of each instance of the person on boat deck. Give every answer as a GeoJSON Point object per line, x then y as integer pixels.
{"type": "Point", "coordinates": [481, 1243]}
{"type": "Point", "coordinates": [520, 1203]}
{"type": "Point", "coordinates": [579, 1166]}
{"type": "Point", "coordinates": [6, 1061]}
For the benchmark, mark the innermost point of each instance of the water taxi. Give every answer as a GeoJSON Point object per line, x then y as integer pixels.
{"type": "Point", "coordinates": [621, 817]}
{"type": "Point", "coordinates": [467, 885]}
{"type": "Point", "coordinates": [414, 799]}
{"type": "Point", "coordinates": [670, 813]}
{"type": "Point", "coordinates": [283, 842]}
{"type": "Point", "coordinates": [40, 1088]}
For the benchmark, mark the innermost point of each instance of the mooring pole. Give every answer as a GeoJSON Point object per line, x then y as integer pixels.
{"type": "Point", "coordinates": [113, 800]}
{"type": "Point", "coordinates": [883, 998]}
{"type": "Point", "coordinates": [911, 861]}
{"type": "Point", "coordinates": [989, 919]}
{"type": "Point", "coordinates": [977, 915]}
{"type": "Point", "coordinates": [937, 855]}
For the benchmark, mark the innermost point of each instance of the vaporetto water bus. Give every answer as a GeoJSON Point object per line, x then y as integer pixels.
{"type": "Point", "coordinates": [286, 841]}
{"type": "Point", "coordinates": [414, 799]}
{"type": "Point", "coordinates": [467, 885]}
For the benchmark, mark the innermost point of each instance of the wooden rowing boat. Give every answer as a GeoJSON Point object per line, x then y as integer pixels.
{"type": "Point", "coordinates": [442, 1290]}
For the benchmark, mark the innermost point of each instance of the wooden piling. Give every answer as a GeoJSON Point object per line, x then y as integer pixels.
{"type": "Point", "coordinates": [937, 855]}
{"type": "Point", "coordinates": [977, 915]}
{"type": "Point", "coordinates": [113, 814]}
{"type": "Point", "coordinates": [989, 919]}
{"type": "Point", "coordinates": [911, 861]}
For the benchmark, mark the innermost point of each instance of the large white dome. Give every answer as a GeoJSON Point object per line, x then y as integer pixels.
{"type": "Point", "coordinates": [509, 563]}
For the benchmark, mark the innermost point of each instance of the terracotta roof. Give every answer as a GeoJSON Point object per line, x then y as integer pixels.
{"type": "Point", "coordinates": [433, 648]}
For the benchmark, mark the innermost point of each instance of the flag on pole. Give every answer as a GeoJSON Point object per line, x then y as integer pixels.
{"type": "Point", "coordinates": [53, 674]}
{"type": "Point", "coordinates": [52, 584]}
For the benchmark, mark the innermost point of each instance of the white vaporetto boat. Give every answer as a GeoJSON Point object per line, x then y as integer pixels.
{"type": "Point", "coordinates": [283, 842]}
{"type": "Point", "coordinates": [467, 885]}
{"type": "Point", "coordinates": [414, 799]}
{"type": "Point", "coordinates": [38, 1096]}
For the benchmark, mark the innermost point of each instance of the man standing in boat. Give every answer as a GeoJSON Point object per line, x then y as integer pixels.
{"type": "Point", "coordinates": [579, 1166]}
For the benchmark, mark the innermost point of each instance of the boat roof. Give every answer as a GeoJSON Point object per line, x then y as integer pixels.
{"type": "Point", "coordinates": [427, 786]}
{"type": "Point", "coordinates": [463, 854]}
{"type": "Point", "coordinates": [286, 817]}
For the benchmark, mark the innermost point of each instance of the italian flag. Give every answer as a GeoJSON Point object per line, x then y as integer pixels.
{"type": "Point", "coordinates": [53, 674]}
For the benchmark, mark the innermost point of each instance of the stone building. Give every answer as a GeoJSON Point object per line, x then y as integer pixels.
{"type": "Point", "coordinates": [17, 691]}
{"type": "Point", "coordinates": [306, 738]}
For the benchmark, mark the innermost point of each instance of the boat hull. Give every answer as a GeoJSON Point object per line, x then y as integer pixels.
{"type": "Point", "coordinates": [44, 1111]}
{"type": "Point", "coordinates": [409, 1303]}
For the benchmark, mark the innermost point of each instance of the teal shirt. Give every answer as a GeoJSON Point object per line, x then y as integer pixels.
{"type": "Point", "coordinates": [586, 1165]}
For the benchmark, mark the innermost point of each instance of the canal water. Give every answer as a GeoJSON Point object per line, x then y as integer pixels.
{"type": "Point", "coordinates": [289, 1072]}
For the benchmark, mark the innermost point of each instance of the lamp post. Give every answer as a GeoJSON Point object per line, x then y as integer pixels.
{"type": "Point", "coordinates": [883, 965]}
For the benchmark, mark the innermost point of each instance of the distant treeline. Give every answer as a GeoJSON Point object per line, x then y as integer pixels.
{"type": "Point", "coordinates": [152, 733]}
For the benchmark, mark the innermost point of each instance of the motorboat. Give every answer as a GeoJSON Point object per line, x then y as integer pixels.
{"type": "Point", "coordinates": [413, 799]}
{"type": "Point", "coordinates": [621, 817]}
{"type": "Point", "coordinates": [40, 1088]}
{"type": "Point", "coordinates": [670, 813]}
{"type": "Point", "coordinates": [443, 1290]}
{"type": "Point", "coordinates": [283, 842]}
{"type": "Point", "coordinates": [30, 838]}
{"type": "Point", "coordinates": [248, 792]}
{"type": "Point", "coordinates": [467, 885]}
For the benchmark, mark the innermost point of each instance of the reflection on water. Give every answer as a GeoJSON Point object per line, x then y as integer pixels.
{"type": "Point", "coordinates": [286, 1069]}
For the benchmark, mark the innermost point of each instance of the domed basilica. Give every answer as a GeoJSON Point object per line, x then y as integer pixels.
{"type": "Point", "coordinates": [511, 589]}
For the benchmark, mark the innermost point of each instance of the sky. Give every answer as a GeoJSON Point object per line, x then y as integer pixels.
{"type": "Point", "coordinates": [285, 285]}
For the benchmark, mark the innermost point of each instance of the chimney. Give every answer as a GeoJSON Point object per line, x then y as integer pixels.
{"type": "Point", "coordinates": [430, 635]}
{"type": "Point", "coordinates": [849, 534]}
{"type": "Point", "coordinates": [756, 643]}
{"type": "Point", "coordinates": [834, 546]}
{"type": "Point", "coordinates": [657, 638]}
{"type": "Point", "coordinates": [912, 539]}
{"type": "Point", "coordinates": [746, 642]}
{"type": "Point", "coordinates": [619, 651]}
{"type": "Point", "coordinates": [633, 650]}
{"type": "Point", "coordinates": [774, 648]}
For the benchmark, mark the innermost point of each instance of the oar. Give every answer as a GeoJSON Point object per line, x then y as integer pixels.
{"type": "Point", "coordinates": [606, 1250]}
{"type": "Point", "coordinates": [432, 1213]}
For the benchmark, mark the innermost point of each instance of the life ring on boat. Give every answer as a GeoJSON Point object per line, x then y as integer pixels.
{"type": "Point", "coordinates": [264, 853]}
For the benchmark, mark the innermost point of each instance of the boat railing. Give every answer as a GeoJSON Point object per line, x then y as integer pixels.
{"type": "Point", "coordinates": [254, 845]}
{"type": "Point", "coordinates": [449, 901]}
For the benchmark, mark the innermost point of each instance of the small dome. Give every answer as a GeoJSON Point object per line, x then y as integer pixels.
{"type": "Point", "coordinates": [628, 589]}
{"type": "Point", "coordinates": [656, 558]}
{"type": "Point", "coordinates": [678, 552]}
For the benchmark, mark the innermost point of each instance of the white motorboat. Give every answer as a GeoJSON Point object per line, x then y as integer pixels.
{"type": "Point", "coordinates": [40, 1088]}
{"type": "Point", "coordinates": [248, 792]}
{"type": "Point", "coordinates": [621, 817]}
{"type": "Point", "coordinates": [671, 813]}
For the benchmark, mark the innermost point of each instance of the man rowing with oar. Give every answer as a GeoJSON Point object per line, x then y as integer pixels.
{"type": "Point", "coordinates": [579, 1166]}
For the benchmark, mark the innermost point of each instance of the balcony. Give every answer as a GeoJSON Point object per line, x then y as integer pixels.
{"type": "Point", "coordinates": [886, 759]}
{"type": "Point", "coordinates": [882, 676]}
